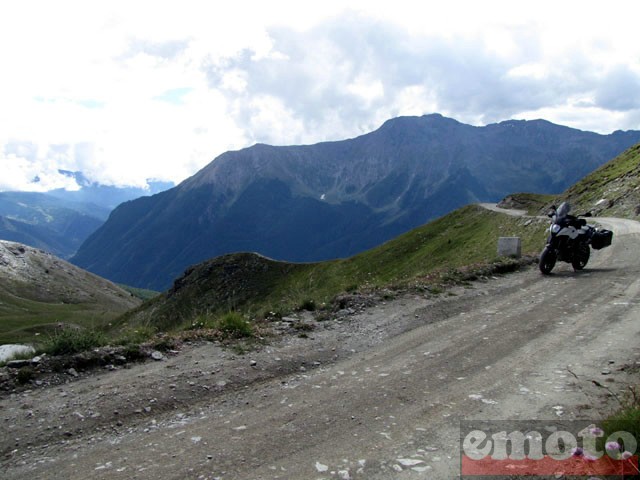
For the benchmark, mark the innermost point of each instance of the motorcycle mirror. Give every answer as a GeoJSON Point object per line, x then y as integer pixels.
{"type": "Point", "coordinates": [588, 214]}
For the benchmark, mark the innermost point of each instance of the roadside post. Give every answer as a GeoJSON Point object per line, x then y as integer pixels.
{"type": "Point", "coordinates": [509, 247]}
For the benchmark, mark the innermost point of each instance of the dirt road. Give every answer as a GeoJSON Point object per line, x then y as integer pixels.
{"type": "Point", "coordinates": [378, 395]}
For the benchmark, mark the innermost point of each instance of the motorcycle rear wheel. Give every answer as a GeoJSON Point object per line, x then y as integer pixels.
{"type": "Point", "coordinates": [581, 258]}
{"type": "Point", "coordinates": [547, 260]}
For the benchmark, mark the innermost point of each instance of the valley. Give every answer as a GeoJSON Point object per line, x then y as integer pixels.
{"type": "Point", "coordinates": [60, 220]}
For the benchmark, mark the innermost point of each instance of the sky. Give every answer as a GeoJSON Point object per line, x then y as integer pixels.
{"type": "Point", "coordinates": [127, 91]}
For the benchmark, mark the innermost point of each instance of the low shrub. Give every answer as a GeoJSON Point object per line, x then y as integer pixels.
{"type": "Point", "coordinates": [308, 305]}
{"type": "Point", "coordinates": [626, 420]}
{"type": "Point", "coordinates": [25, 375]}
{"type": "Point", "coordinates": [234, 325]}
{"type": "Point", "coordinates": [200, 322]}
{"type": "Point", "coordinates": [70, 340]}
{"type": "Point", "coordinates": [133, 352]}
{"type": "Point", "coordinates": [135, 336]}
{"type": "Point", "coordinates": [165, 343]}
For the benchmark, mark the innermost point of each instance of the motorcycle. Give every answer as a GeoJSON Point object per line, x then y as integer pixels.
{"type": "Point", "coordinates": [570, 239]}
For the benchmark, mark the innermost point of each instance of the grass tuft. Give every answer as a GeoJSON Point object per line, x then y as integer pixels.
{"type": "Point", "coordinates": [626, 420]}
{"type": "Point", "coordinates": [134, 336]}
{"type": "Point", "coordinates": [70, 340]}
{"type": "Point", "coordinates": [234, 325]}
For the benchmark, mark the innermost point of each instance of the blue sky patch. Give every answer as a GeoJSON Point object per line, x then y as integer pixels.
{"type": "Point", "coordinates": [174, 96]}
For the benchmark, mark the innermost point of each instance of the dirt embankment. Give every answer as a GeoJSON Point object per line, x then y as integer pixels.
{"type": "Point", "coordinates": [378, 394]}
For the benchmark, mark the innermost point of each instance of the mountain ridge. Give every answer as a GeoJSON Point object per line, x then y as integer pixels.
{"type": "Point", "coordinates": [334, 199]}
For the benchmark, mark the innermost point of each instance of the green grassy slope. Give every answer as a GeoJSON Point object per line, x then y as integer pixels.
{"type": "Point", "coordinates": [611, 190]}
{"type": "Point", "coordinates": [254, 284]}
{"type": "Point", "coordinates": [38, 291]}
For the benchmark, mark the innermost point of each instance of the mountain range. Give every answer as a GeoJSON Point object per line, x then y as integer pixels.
{"type": "Point", "coordinates": [457, 247]}
{"type": "Point", "coordinates": [105, 196]}
{"type": "Point", "coordinates": [38, 290]}
{"type": "Point", "coordinates": [60, 220]}
{"type": "Point", "coordinates": [334, 199]}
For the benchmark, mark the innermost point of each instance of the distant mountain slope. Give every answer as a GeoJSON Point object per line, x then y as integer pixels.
{"type": "Point", "coordinates": [105, 196]}
{"type": "Point", "coordinates": [63, 242]}
{"type": "Point", "coordinates": [59, 221]}
{"type": "Point", "coordinates": [38, 290]}
{"type": "Point", "coordinates": [40, 208]}
{"type": "Point", "coordinates": [47, 222]}
{"type": "Point", "coordinates": [334, 199]}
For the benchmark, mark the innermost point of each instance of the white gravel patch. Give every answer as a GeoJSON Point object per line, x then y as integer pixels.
{"type": "Point", "coordinates": [8, 351]}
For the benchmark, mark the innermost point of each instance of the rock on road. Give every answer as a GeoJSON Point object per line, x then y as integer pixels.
{"type": "Point", "coordinates": [377, 396]}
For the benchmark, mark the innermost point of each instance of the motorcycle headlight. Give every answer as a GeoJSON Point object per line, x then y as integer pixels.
{"type": "Point", "coordinates": [555, 228]}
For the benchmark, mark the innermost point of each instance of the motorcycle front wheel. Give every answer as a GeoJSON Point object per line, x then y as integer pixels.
{"type": "Point", "coordinates": [547, 260]}
{"type": "Point", "coordinates": [581, 258]}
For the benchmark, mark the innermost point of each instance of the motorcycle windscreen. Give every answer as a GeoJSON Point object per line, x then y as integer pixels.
{"type": "Point", "coordinates": [563, 210]}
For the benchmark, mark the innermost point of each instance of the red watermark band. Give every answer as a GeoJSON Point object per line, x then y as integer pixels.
{"type": "Point", "coordinates": [577, 466]}
{"type": "Point", "coordinates": [520, 448]}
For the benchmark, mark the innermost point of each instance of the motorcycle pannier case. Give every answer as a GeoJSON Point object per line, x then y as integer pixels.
{"type": "Point", "coordinates": [601, 239]}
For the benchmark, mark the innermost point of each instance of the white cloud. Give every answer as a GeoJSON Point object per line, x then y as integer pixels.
{"type": "Point", "coordinates": [535, 71]}
{"type": "Point", "coordinates": [21, 173]}
{"type": "Point", "coordinates": [367, 88]}
{"type": "Point", "coordinates": [126, 91]}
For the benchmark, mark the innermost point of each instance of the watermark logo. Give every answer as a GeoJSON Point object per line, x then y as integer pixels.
{"type": "Point", "coordinates": [539, 448]}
